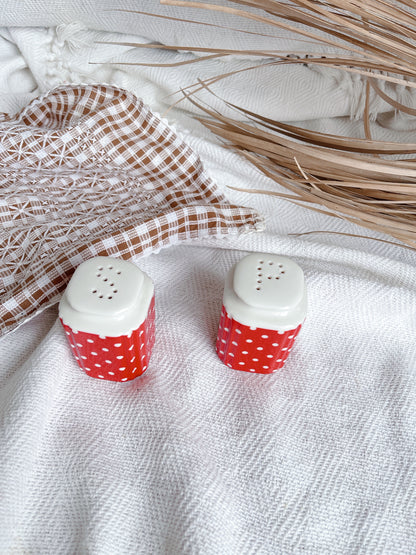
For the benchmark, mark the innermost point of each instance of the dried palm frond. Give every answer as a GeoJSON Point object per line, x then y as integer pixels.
{"type": "Point", "coordinates": [355, 179]}
{"type": "Point", "coordinates": [334, 172]}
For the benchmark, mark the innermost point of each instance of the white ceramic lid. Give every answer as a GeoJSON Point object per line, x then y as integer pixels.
{"type": "Point", "coordinates": [266, 291]}
{"type": "Point", "coordinates": [106, 296]}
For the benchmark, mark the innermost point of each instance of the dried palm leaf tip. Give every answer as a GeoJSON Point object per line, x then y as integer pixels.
{"type": "Point", "coordinates": [340, 176]}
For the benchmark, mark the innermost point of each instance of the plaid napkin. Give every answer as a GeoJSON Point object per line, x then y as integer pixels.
{"type": "Point", "coordinates": [89, 170]}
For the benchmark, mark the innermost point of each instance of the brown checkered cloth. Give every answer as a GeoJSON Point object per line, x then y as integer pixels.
{"type": "Point", "coordinates": [89, 170]}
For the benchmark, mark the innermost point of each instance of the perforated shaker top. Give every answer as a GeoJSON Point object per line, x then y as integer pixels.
{"type": "Point", "coordinates": [266, 290]}
{"type": "Point", "coordinates": [106, 296]}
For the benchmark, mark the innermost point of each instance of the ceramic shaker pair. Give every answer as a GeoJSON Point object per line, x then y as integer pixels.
{"type": "Point", "coordinates": [108, 313]}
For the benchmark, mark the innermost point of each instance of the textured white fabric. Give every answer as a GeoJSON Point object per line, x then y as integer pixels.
{"type": "Point", "coordinates": [71, 53]}
{"type": "Point", "coordinates": [194, 457]}
{"type": "Point", "coordinates": [160, 23]}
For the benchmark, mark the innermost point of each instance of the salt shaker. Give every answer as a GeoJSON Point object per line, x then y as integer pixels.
{"type": "Point", "coordinates": [108, 313]}
{"type": "Point", "coordinates": [264, 307]}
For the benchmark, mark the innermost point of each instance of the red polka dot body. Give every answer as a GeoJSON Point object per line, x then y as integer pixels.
{"type": "Point", "coordinates": [252, 349]}
{"type": "Point", "coordinates": [263, 310]}
{"type": "Point", "coordinates": [108, 314]}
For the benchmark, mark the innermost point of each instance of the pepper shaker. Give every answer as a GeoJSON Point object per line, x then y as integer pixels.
{"type": "Point", "coordinates": [264, 307]}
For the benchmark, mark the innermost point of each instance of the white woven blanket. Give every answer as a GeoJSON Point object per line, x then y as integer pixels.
{"type": "Point", "coordinates": [195, 458]}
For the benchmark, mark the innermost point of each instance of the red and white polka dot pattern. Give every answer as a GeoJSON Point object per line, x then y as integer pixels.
{"type": "Point", "coordinates": [117, 359]}
{"type": "Point", "coordinates": [252, 349]}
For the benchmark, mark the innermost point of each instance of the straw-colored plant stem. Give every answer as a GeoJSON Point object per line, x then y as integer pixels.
{"type": "Point", "coordinates": [340, 176]}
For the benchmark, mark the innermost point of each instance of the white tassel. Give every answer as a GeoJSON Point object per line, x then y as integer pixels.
{"type": "Point", "coordinates": [71, 36]}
